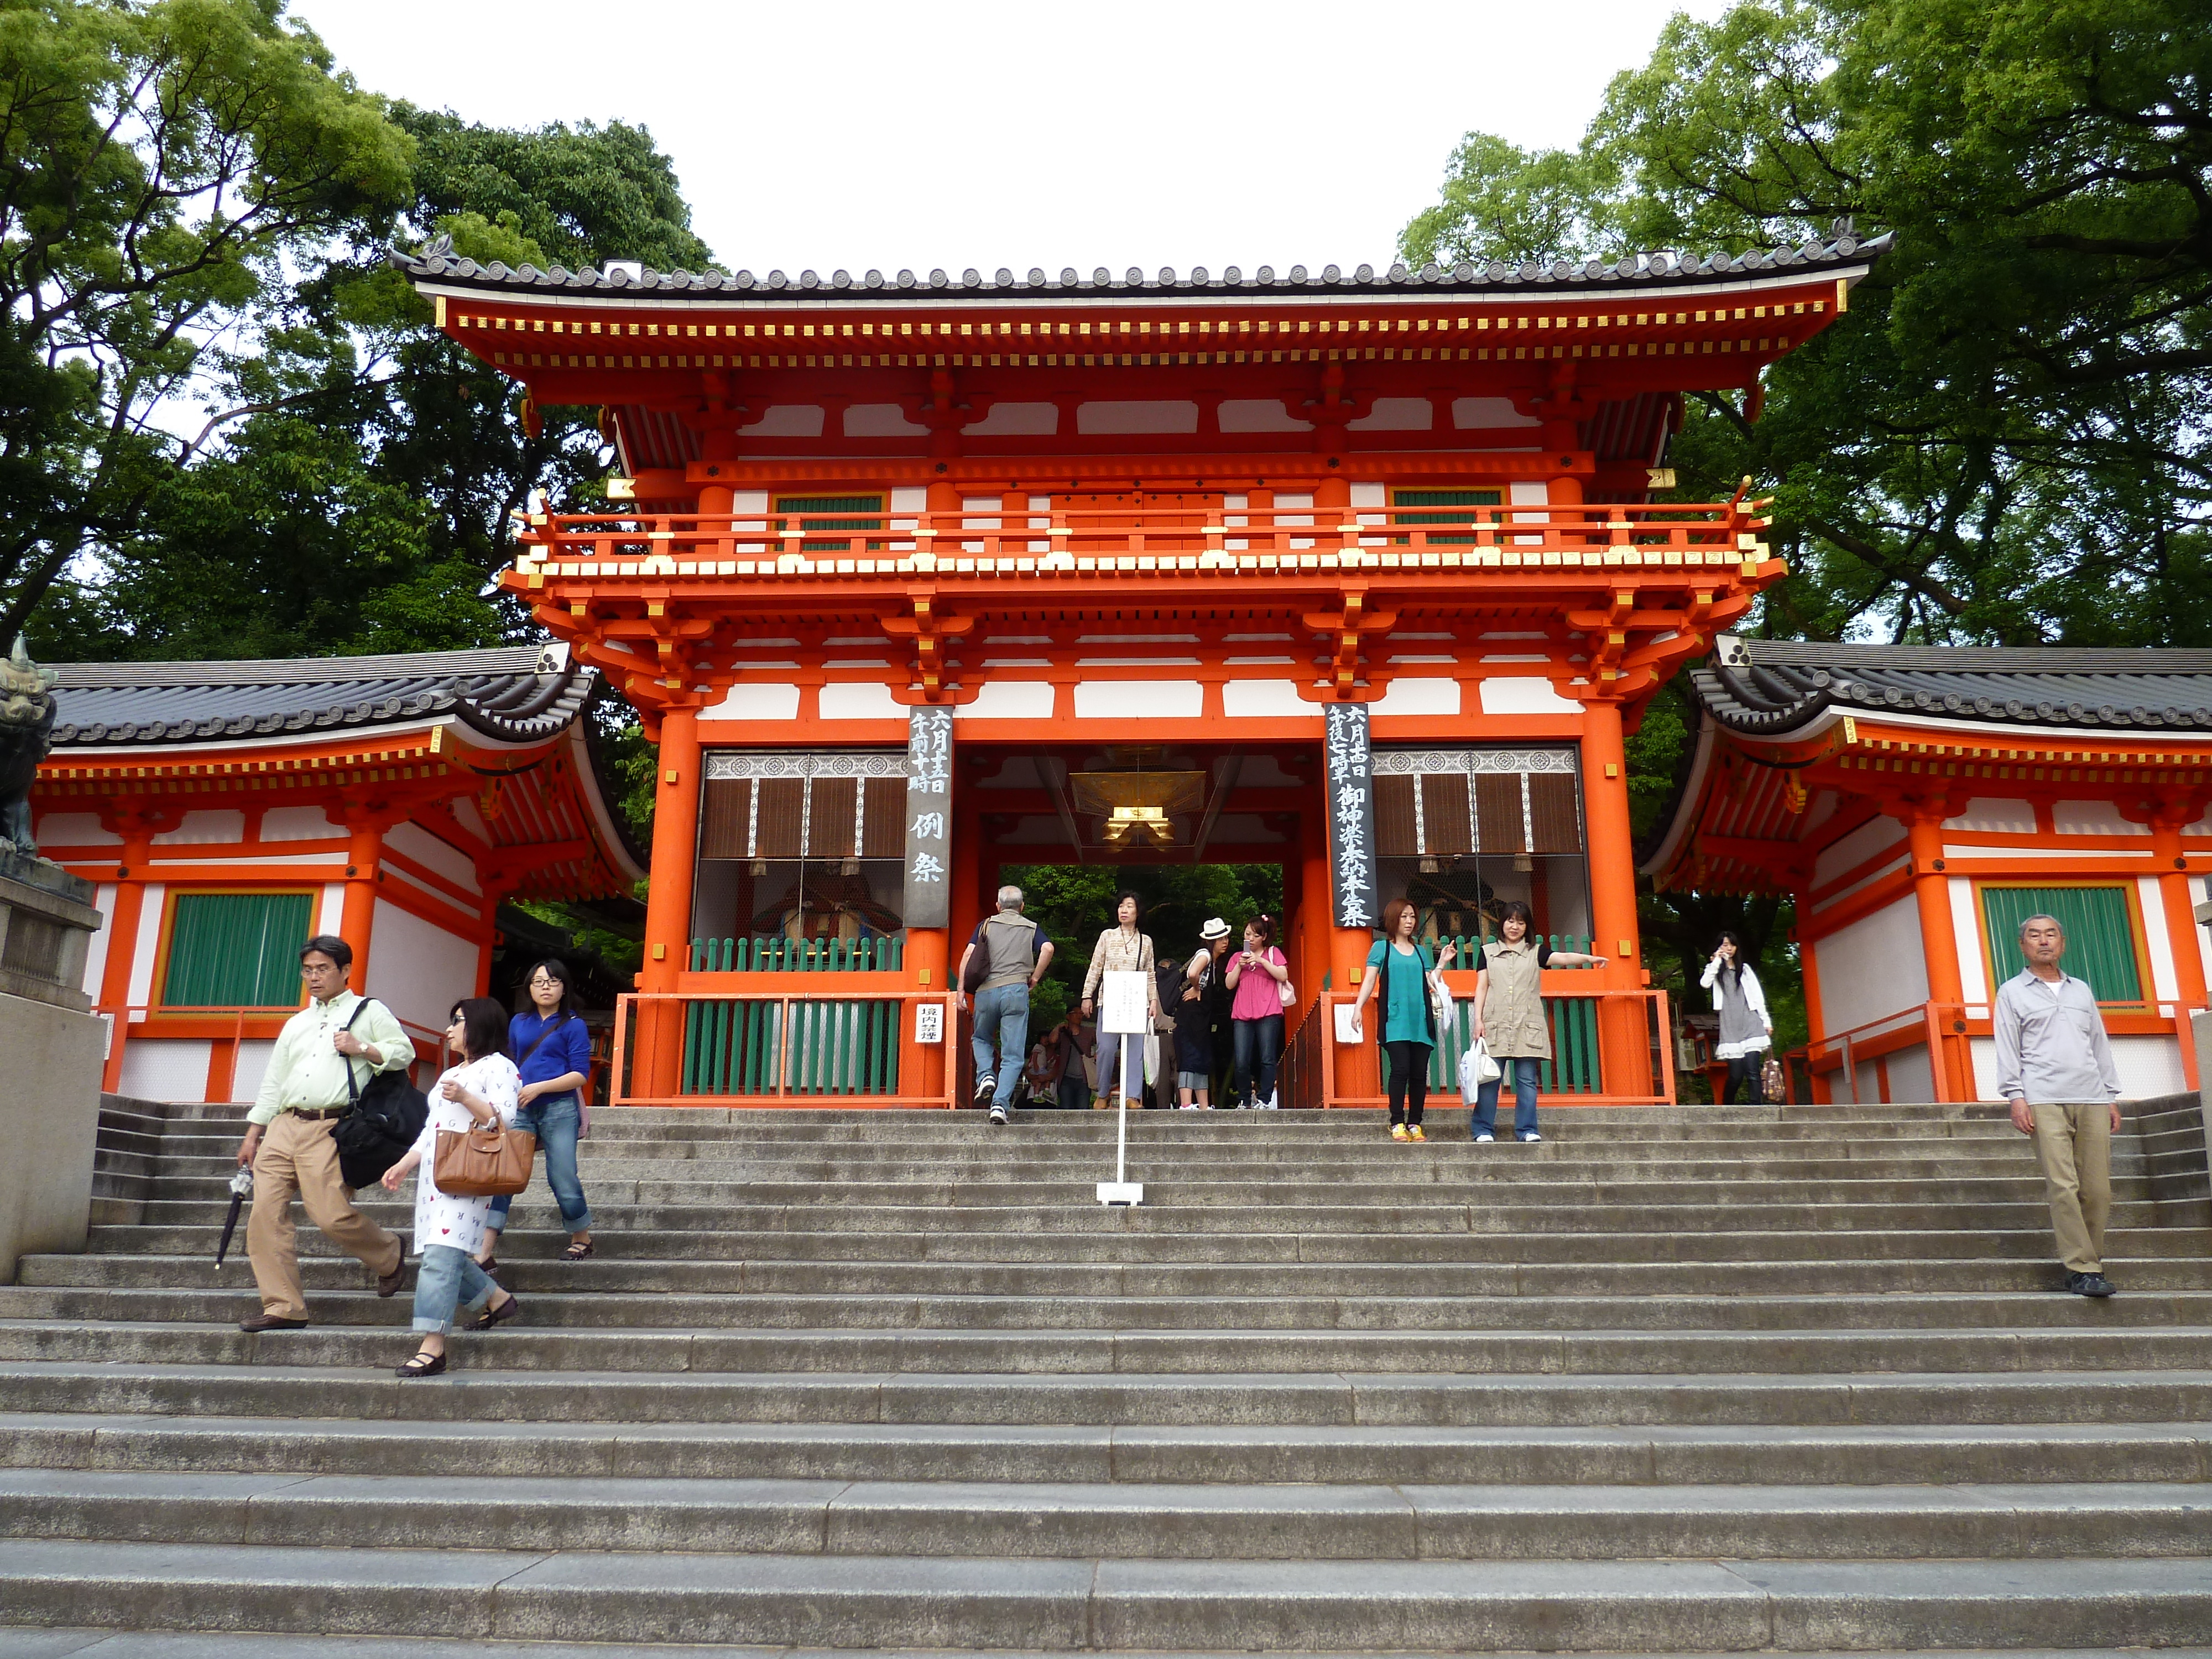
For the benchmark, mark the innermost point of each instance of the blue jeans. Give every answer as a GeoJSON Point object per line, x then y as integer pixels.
{"type": "Point", "coordinates": [1002, 1010]}
{"type": "Point", "coordinates": [445, 1276]}
{"type": "Point", "coordinates": [554, 1119]}
{"type": "Point", "coordinates": [1109, 1065]}
{"type": "Point", "coordinates": [1523, 1069]}
{"type": "Point", "coordinates": [1262, 1039]}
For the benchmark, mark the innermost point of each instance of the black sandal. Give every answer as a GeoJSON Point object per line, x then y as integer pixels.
{"type": "Point", "coordinates": [489, 1264]}
{"type": "Point", "coordinates": [422, 1364]}
{"type": "Point", "coordinates": [577, 1250]}
{"type": "Point", "coordinates": [499, 1315]}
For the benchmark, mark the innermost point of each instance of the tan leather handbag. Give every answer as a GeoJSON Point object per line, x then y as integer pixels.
{"type": "Point", "coordinates": [484, 1162]}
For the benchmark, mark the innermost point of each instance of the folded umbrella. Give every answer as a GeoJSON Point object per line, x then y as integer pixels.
{"type": "Point", "coordinates": [242, 1188]}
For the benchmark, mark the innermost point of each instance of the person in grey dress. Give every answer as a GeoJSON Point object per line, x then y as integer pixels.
{"type": "Point", "coordinates": [1746, 1029]}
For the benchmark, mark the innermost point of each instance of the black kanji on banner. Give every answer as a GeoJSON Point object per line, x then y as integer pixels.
{"type": "Point", "coordinates": [1351, 815]}
{"type": "Point", "coordinates": [929, 819]}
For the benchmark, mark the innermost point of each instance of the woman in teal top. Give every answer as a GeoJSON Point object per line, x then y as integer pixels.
{"type": "Point", "coordinates": [1409, 1032]}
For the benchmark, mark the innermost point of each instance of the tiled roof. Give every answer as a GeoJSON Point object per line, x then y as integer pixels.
{"type": "Point", "coordinates": [437, 262]}
{"type": "Point", "coordinates": [521, 694]}
{"type": "Point", "coordinates": [1771, 688]}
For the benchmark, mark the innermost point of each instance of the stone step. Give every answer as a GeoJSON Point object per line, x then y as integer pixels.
{"type": "Point", "coordinates": [1112, 1603]}
{"type": "Point", "coordinates": [1420, 1302]}
{"type": "Point", "coordinates": [531, 1234]}
{"type": "Point", "coordinates": [25, 1642]}
{"type": "Point", "coordinates": [612, 1275]}
{"type": "Point", "coordinates": [1214, 1520]}
{"type": "Point", "coordinates": [1176, 1352]}
{"type": "Point", "coordinates": [495, 1390]}
{"type": "Point", "coordinates": [1081, 1213]}
{"type": "Point", "coordinates": [1607, 1455]}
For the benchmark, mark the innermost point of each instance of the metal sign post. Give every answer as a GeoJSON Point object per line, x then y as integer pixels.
{"type": "Point", "coordinates": [1125, 1009]}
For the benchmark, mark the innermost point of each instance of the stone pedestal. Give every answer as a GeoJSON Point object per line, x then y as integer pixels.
{"type": "Point", "coordinates": [51, 1050]}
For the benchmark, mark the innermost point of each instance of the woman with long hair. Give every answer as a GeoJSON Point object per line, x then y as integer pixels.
{"type": "Point", "coordinates": [1746, 1029]}
{"type": "Point", "coordinates": [1120, 948]}
{"type": "Point", "coordinates": [1508, 1017]}
{"type": "Point", "coordinates": [480, 1092]}
{"type": "Point", "coordinates": [1255, 978]}
{"type": "Point", "coordinates": [1399, 966]}
{"type": "Point", "coordinates": [552, 1051]}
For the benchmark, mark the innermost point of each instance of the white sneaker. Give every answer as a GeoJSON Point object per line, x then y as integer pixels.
{"type": "Point", "coordinates": [1527, 1136]}
{"type": "Point", "coordinates": [998, 1115]}
{"type": "Point", "coordinates": [1485, 1136]}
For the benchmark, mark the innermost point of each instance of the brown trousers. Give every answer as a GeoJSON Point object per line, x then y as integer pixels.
{"type": "Point", "coordinates": [298, 1156]}
{"type": "Point", "coordinates": [2074, 1145]}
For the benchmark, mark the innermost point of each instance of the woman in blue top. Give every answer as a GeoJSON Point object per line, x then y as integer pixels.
{"type": "Point", "coordinates": [553, 1051]}
{"type": "Point", "coordinates": [1409, 1028]}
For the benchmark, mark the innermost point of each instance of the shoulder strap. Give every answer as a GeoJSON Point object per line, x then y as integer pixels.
{"type": "Point", "coordinates": [353, 1084]}
{"type": "Point", "coordinates": [542, 1036]}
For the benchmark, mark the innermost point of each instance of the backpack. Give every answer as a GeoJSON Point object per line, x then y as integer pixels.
{"type": "Point", "coordinates": [384, 1119]}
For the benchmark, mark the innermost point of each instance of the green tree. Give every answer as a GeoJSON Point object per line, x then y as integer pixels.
{"type": "Point", "coordinates": [159, 162]}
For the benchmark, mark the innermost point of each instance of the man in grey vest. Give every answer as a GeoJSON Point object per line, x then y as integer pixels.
{"type": "Point", "coordinates": [2055, 1065]}
{"type": "Point", "coordinates": [1016, 955]}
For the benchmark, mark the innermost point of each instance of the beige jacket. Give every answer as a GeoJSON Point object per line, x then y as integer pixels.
{"type": "Point", "coordinates": [1513, 1022]}
{"type": "Point", "coordinates": [1117, 952]}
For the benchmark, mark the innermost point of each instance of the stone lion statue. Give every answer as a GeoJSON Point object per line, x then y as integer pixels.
{"type": "Point", "coordinates": [26, 731]}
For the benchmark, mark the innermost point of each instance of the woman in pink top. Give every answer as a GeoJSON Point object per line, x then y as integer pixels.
{"type": "Point", "coordinates": [1257, 975]}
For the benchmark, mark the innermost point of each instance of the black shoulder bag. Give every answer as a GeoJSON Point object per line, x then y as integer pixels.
{"type": "Point", "coordinates": [384, 1119]}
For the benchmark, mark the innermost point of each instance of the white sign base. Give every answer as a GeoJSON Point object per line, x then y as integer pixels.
{"type": "Point", "coordinates": [1121, 1192]}
{"type": "Point", "coordinates": [1125, 1007]}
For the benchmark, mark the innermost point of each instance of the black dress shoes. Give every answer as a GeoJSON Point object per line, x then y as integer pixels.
{"type": "Point", "coordinates": [2091, 1285]}
{"type": "Point", "coordinates": [387, 1284]}
{"type": "Point", "coordinates": [272, 1322]}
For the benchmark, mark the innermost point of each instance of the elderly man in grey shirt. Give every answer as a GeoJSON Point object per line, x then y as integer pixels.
{"type": "Point", "coordinates": [2055, 1065]}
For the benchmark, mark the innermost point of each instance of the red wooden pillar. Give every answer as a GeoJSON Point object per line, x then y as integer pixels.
{"type": "Point", "coordinates": [364, 859]}
{"type": "Point", "coordinates": [656, 1066]}
{"type": "Point", "coordinates": [1624, 1033]}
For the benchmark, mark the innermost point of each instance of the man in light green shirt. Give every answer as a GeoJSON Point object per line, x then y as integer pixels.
{"type": "Point", "coordinates": [288, 1138]}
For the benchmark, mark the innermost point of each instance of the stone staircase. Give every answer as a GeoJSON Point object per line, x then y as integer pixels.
{"type": "Point", "coordinates": [1689, 1380]}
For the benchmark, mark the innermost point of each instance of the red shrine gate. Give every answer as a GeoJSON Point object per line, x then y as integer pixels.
{"type": "Point", "coordinates": [910, 579]}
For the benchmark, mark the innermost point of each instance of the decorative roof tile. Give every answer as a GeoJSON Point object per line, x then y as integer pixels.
{"type": "Point", "coordinates": [1771, 688]}
{"type": "Point", "coordinates": [437, 262]}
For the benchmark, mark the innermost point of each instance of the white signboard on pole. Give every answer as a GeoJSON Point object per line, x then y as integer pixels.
{"type": "Point", "coordinates": [1125, 1008]}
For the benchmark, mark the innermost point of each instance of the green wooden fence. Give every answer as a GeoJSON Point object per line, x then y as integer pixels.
{"type": "Point", "coordinates": [832, 1045]}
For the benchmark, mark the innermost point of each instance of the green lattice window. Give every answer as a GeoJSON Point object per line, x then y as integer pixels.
{"type": "Point", "coordinates": [831, 513]}
{"type": "Point", "coordinates": [2100, 934]}
{"type": "Point", "coordinates": [236, 950]}
{"type": "Point", "coordinates": [1463, 503]}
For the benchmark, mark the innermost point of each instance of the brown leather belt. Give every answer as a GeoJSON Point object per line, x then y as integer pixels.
{"type": "Point", "coordinates": [317, 1114]}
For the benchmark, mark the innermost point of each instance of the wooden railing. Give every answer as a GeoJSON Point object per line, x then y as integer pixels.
{"type": "Point", "coordinates": [1040, 541]}
{"type": "Point", "coordinates": [226, 1031]}
{"type": "Point", "coordinates": [1946, 1030]}
{"type": "Point", "coordinates": [774, 953]}
{"type": "Point", "coordinates": [768, 1049]}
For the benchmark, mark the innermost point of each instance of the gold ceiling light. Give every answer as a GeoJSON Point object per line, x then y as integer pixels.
{"type": "Point", "coordinates": [1138, 806]}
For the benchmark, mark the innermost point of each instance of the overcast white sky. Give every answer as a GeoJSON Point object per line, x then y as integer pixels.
{"type": "Point", "coordinates": [977, 132]}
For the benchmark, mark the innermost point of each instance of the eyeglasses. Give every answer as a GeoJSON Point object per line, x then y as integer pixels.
{"type": "Point", "coordinates": [542, 983]}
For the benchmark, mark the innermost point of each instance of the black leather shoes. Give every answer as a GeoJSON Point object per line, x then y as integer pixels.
{"type": "Point", "coordinates": [272, 1322]}
{"type": "Point", "coordinates": [388, 1285]}
{"type": "Point", "coordinates": [2094, 1285]}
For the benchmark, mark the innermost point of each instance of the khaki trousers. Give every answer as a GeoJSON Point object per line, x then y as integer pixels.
{"type": "Point", "coordinates": [2074, 1145]}
{"type": "Point", "coordinates": [298, 1156]}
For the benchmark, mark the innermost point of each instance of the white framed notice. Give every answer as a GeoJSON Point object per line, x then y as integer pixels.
{"type": "Point", "coordinates": [1124, 1006]}
{"type": "Point", "coordinates": [929, 1022]}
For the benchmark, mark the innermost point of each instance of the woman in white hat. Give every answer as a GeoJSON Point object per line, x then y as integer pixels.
{"type": "Point", "coordinates": [1193, 1020]}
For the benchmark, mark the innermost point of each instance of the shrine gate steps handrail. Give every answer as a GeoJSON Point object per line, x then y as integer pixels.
{"type": "Point", "coordinates": [1715, 535]}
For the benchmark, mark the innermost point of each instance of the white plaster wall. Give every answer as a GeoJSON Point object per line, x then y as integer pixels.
{"type": "Point", "coordinates": [1992, 815]}
{"type": "Point", "coordinates": [2164, 987]}
{"type": "Point", "coordinates": [299, 823]}
{"type": "Point", "coordinates": [884, 421]}
{"type": "Point", "coordinates": [1164, 415]}
{"type": "Point", "coordinates": [1015, 421]}
{"type": "Point", "coordinates": [95, 950]}
{"type": "Point", "coordinates": [1009, 700]}
{"type": "Point", "coordinates": [1985, 1050]}
{"type": "Point", "coordinates": [167, 1068]}
{"type": "Point", "coordinates": [425, 849]}
{"type": "Point", "coordinates": [755, 702]}
{"type": "Point", "coordinates": [333, 908]}
{"type": "Point", "coordinates": [251, 1065]}
{"type": "Point", "coordinates": [1974, 981]}
{"type": "Point", "coordinates": [1396, 414]}
{"type": "Point", "coordinates": [1869, 1081]}
{"type": "Point", "coordinates": [1258, 415]}
{"type": "Point", "coordinates": [2148, 1066]}
{"type": "Point", "coordinates": [1478, 412]}
{"type": "Point", "coordinates": [1524, 694]}
{"type": "Point", "coordinates": [142, 953]}
{"type": "Point", "coordinates": [1421, 695]}
{"type": "Point", "coordinates": [1911, 1076]}
{"type": "Point", "coordinates": [72, 829]}
{"type": "Point", "coordinates": [1873, 967]}
{"type": "Point", "coordinates": [2093, 818]}
{"type": "Point", "coordinates": [1854, 849]}
{"type": "Point", "coordinates": [203, 829]}
{"type": "Point", "coordinates": [1140, 700]}
{"type": "Point", "coordinates": [1263, 700]}
{"type": "Point", "coordinates": [416, 968]}
{"type": "Point", "coordinates": [862, 701]}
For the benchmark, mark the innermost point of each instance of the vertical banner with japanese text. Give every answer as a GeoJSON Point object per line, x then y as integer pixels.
{"type": "Point", "coordinates": [929, 819]}
{"type": "Point", "coordinates": [1351, 815]}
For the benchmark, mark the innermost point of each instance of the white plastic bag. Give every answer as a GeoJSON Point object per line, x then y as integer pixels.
{"type": "Point", "coordinates": [1476, 1068]}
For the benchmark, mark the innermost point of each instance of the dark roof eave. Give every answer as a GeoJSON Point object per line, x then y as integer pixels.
{"type": "Point", "coordinates": [437, 265]}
